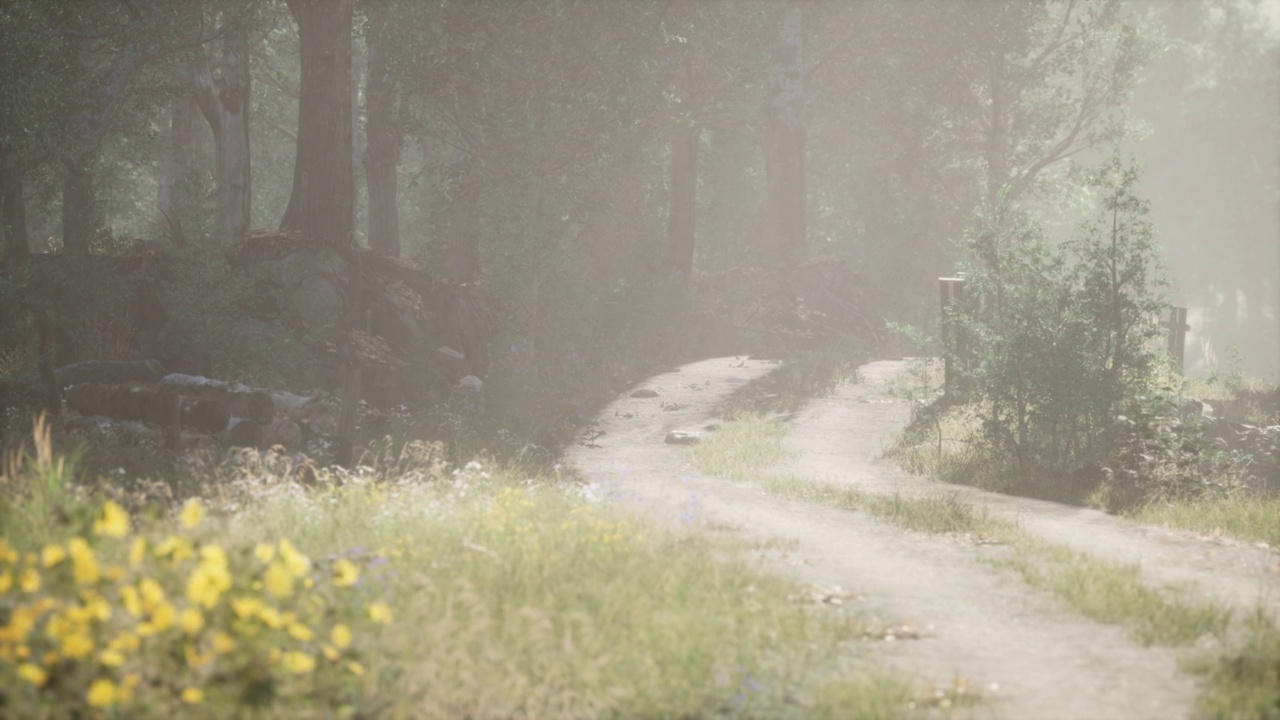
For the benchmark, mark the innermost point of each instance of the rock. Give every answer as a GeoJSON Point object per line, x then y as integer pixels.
{"type": "Point", "coordinates": [683, 437]}
{"type": "Point", "coordinates": [108, 372]}
{"type": "Point", "coordinates": [644, 393]}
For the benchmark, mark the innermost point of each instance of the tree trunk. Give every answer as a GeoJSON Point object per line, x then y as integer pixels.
{"type": "Point", "coordinates": [463, 262]}
{"type": "Point", "coordinates": [224, 102]}
{"type": "Point", "coordinates": [785, 155]}
{"type": "Point", "coordinates": [14, 224]}
{"type": "Point", "coordinates": [322, 202]}
{"type": "Point", "coordinates": [382, 144]}
{"type": "Point", "coordinates": [182, 143]}
{"type": "Point", "coordinates": [80, 222]}
{"type": "Point", "coordinates": [682, 213]}
{"type": "Point", "coordinates": [997, 149]}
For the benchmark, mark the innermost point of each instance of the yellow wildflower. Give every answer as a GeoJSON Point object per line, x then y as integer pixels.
{"type": "Point", "coordinates": [221, 642]}
{"type": "Point", "coordinates": [345, 573]}
{"type": "Point", "coordinates": [131, 600]}
{"type": "Point", "coordinates": [52, 555]}
{"type": "Point", "coordinates": [6, 582]}
{"type": "Point", "coordinates": [125, 642]}
{"type": "Point", "coordinates": [33, 674]}
{"type": "Point", "coordinates": [127, 684]}
{"type": "Point", "coordinates": [192, 514]}
{"type": "Point", "coordinates": [195, 658]}
{"type": "Point", "coordinates": [176, 548]}
{"type": "Point", "coordinates": [192, 695]}
{"type": "Point", "coordinates": [29, 581]}
{"type": "Point", "coordinates": [111, 658]}
{"type": "Point", "coordinates": [271, 617]}
{"type": "Point", "coordinates": [84, 564]}
{"type": "Point", "coordinates": [246, 607]}
{"type": "Point", "coordinates": [300, 632]}
{"type": "Point", "coordinates": [112, 522]}
{"type": "Point", "coordinates": [77, 645]}
{"type": "Point", "coordinates": [298, 663]}
{"type": "Point", "coordinates": [331, 652]}
{"type": "Point", "coordinates": [278, 580]}
{"type": "Point", "coordinates": [356, 668]}
{"type": "Point", "coordinates": [101, 693]}
{"type": "Point", "coordinates": [114, 573]}
{"type": "Point", "coordinates": [297, 563]}
{"type": "Point", "coordinates": [163, 616]}
{"type": "Point", "coordinates": [152, 594]}
{"type": "Point", "coordinates": [191, 621]}
{"type": "Point", "coordinates": [96, 607]}
{"type": "Point", "coordinates": [8, 555]}
{"type": "Point", "coordinates": [210, 578]}
{"type": "Point", "coordinates": [137, 551]}
{"type": "Point", "coordinates": [380, 612]}
{"type": "Point", "coordinates": [340, 636]}
{"type": "Point", "coordinates": [264, 552]}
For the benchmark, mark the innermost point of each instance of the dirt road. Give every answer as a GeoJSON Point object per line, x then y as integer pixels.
{"type": "Point", "coordinates": [1033, 657]}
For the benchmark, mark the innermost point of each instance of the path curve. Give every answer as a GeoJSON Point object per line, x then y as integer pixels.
{"type": "Point", "coordinates": [979, 623]}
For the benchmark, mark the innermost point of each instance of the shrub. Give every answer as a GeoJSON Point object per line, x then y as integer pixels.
{"type": "Point", "coordinates": [1063, 367]}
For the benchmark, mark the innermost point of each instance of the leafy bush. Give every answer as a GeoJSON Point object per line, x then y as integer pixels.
{"type": "Point", "coordinates": [1059, 355]}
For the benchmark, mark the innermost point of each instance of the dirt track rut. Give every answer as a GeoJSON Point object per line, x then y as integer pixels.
{"type": "Point", "coordinates": [976, 622]}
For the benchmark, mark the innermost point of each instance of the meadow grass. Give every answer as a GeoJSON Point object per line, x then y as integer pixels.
{"type": "Point", "coordinates": [476, 593]}
{"type": "Point", "coordinates": [1242, 515]}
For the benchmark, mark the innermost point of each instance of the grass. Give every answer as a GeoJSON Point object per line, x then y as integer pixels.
{"type": "Point", "coordinates": [1240, 515]}
{"type": "Point", "coordinates": [805, 375]}
{"type": "Point", "coordinates": [479, 592]}
{"type": "Point", "coordinates": [742, 446]}
{"type": "Point", "coordinates": [1242, 683]}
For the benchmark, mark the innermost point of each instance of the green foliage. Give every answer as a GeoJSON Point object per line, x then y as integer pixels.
{"type": "Point", "coordinates": [1060, 360]}
{"type": "Point", "coordinates": [215, 304]}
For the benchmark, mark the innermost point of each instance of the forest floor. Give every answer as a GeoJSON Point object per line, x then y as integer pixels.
{"type": "Point", "coordinates": [964, 617]}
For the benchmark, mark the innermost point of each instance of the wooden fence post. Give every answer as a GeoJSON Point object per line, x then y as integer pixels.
{"type": "Point", "coordinates": [954, 295]}
{"type": "Point", "coordinates": [1178, 327]}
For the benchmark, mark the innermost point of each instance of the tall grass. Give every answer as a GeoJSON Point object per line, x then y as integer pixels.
{"type": "Point", "coordinates": [1242, 515]}
{"type": "Point", "coordinates": [477, 593]}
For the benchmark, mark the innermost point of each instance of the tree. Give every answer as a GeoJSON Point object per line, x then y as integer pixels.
{"type": "Point", "coordinates": [686, 135]}
{"type": "Point", "coordinates": [1047, 81]}
{"type": "Point", "coordinates": [786, 124]}
{"type": "Point", "coordinates": [322, 202]}
{"type": "Point", "coordinates": [222, 93]}
{"type": "Point", "coordinates": [384, 139]}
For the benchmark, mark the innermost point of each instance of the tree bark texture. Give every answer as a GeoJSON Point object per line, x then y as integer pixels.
{"type": "Point", "coordinates": [222, 92]}
{"type": "Point", "coordinates": [383, 142]}
{"type": "Point", "coordinates": [80, 215]}
{"type": "Point", "coordinates": [183, 116]}
{"type": "Point", "coordinates": [463, 259]}
{"type": "Point", "coordinates": [322, 202]}
{"type": "Point", "coordinates": [785, 154]}
{"type": "Point", "coordinates": [17, 246]}
{"type": "Point", "coordinates": [682, 213]}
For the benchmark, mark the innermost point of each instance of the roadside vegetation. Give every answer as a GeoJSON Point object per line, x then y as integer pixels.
{"type": "Point", "coordinates": [423, 592]}
{"type": "Point", "coordinates": [1240, 673]}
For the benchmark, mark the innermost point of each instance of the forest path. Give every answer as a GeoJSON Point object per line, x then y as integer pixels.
{"type": "Point", "coordinates": [977, 622]}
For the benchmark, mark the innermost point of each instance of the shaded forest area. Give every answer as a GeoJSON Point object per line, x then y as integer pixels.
{"type": "Point", "coordinates": [497, 213]}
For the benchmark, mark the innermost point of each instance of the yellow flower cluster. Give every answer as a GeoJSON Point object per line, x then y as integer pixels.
{"type": "Point", "coordinates": [174, 621]}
